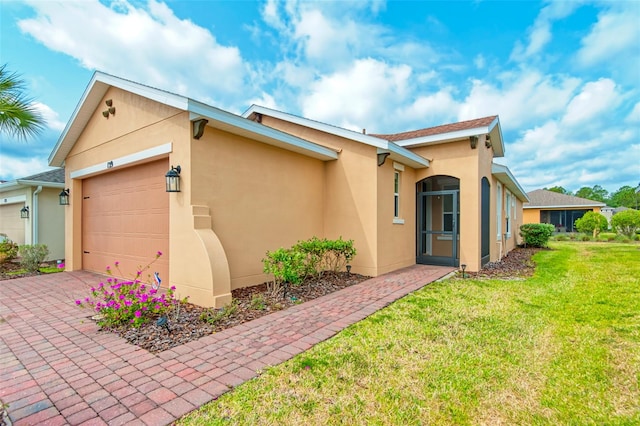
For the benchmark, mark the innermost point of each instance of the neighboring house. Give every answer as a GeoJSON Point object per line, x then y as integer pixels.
{"type": "Point", "coordinates": [30, 212]}
{"type": "Point", "coordinates": [264, 180]}
{"type": "Point", "coordinates": [560, 210]}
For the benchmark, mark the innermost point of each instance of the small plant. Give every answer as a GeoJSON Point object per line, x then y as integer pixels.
{"type": "Point", "coordinates": [536, 234]}
{"type": "Point", "coordinates": [258, 303]}
{"type": "Point", "coordinates": [626, 222]}
{"type": "Point", "coordinates": [592, 223]}
{"type": "Point", "coordinates": [130, 302]}
{"type": "Point", "coordinates": [8, 249]}
{"type": "Point", "coordinates": [213, 316]}
{"type": "Point", "coordinates": [31, 256]}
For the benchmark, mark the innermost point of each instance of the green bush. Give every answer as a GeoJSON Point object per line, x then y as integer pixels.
{"type": "Point", "coordinates": [626, 222]}
{"type": "Point", "coordinates": [536, 234]}
{"type": "Point", "coordinates": [31, 256]}
{"type": "Point", "coordinates": [592, 223]}
{"type": "Point", "coordinates": [8, 250]}
{"type": "Point", "coordinates": [286, 265]}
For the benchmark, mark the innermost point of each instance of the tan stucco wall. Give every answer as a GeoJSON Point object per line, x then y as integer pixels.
{"type": "Point", "coordinates": [531, 216]}
{"type": "Point", "coordinates": [261, 198]}
{"type": "Point", "coordinates": [51, 222]}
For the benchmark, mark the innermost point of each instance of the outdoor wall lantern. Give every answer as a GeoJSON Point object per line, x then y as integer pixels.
{"type": "Point", "coordinates": [173, 179]}
{"type": "Point", "coordinates": [24, 212]}
{"type": "Point", "coordinates": [64, 197]}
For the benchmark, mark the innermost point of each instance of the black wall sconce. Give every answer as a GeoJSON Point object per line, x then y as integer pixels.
{"type": "Point", "coordinates": [487, 141]}
{"type": "Point", "coordinates": [64, 197]}
{"type": "Point", "coordinates": [24, 212]}
{"type": "Point", "coordinates": [173, 179]}
{"type": "Point", "coordinates": [110, 110]}
{"type": "Point", "coordinates": [473, 140]}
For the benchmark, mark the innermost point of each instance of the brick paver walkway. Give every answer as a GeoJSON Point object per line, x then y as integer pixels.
{"type": "Point", "coordinates": [56, 368]}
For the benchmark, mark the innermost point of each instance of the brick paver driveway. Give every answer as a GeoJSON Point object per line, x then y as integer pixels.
{"type": "Point", "coordinates": [56, 368]}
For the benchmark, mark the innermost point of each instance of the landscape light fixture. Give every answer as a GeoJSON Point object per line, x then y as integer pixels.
{"type": "Point", "coordinates": [24, 212]}
{"type": "Point", "coordinates": [349, 269]}
{"type": "Point", "coordinates": [64, 197]}
{"type": "Point", "coordinates": [463, 266]}
{"type": "Point", "coordinates": [173, 179]}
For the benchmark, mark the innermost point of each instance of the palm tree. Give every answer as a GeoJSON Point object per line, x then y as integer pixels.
{"type": "Point", "coordinates": [18, 115]}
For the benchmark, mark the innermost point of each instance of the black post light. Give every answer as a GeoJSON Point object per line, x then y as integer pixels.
{"type": "Point", "coordinates": [463, 266]}
{"type": "Point", "coordinates": [64, 197]}
{"type": "Point", "coordinates": [24, 212]}
{"type": "Point", "coordinates": [173, 179]}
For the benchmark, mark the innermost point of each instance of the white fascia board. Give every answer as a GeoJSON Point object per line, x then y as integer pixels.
{"type": "Point", "coordinates": [567, 206]}
{"type": "Point", "coordinates": [41, 183]}
{"type": "Point", "coordinates": [9, 186]}
{"type": "Point", "coordinates": [397, 152]}
{"type": "Point", "coordinates": [504, 175]}
{"type": "Point", "coordinates": [323, 127]}
{"type": "Point", "coordinates": [145, 155]}
{"type": "Point", "coordinates": [240, 125]}
{"type": "Point", "coordinates": [442, 137]}
{"type": "Point", "coordinates": [13, 200]}
{"type": "Point", "coordinates": [93, 94]}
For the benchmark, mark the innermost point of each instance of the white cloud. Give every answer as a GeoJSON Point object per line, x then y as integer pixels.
{"type": "Point", "coordinates": [539, 34]}
{"type": "Point", "coordinates": [50, 116]}
{"type": "Point", "coordinates": [18, 167]}
{"type": "Point", "coordinates": [595, 98]}
{"type": "Point", "coordinates": [520, 98]}
{"type": "Point", "coordinates": [361, 96]}
{"type": "Point", "coordinates": [614, 34]}
{"type": "Point", "coordinates": [634, 115]}
{"type": "Point", "coordinates": [150, 45]}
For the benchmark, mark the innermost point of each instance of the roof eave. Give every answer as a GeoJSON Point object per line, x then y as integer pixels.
{"type": "Point", "coordinates": [564, 206]}
{"type": "Point", "coordinates": [504, 175]}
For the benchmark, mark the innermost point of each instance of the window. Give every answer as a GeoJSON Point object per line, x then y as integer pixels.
{"type": "Point", "coordinates": [396, 194]}
{"type": "Point", "coordinates": [397, 186]}
{"type": "Point", "coordinates": [507, 213]}
{"type": "Point", "coordinates": [447, 213]}
{"type": "Point", "coordinates": [499, 211]}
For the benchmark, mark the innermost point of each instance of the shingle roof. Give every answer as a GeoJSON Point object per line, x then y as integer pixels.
{"type": "Point", "coordinates": [544, 198]}
{"type": "Point", "coordinates": [445, 128]}
{"type": "Point", "coordinates": [53, 176]}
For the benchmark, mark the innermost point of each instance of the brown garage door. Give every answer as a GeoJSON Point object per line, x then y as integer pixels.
{"type": "Point", "coordinates": [11, 223]}
{"type": "Point", "coordinates": [125, 218]}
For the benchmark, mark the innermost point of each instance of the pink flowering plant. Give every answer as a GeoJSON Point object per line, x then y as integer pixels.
{"type": "Point", "coordinates": [129, 302]}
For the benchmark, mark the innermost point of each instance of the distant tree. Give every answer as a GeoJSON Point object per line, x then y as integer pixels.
{"type": "Point", "coordinates": [559, 190]}
{"type": "Point", "coordinates": [592, 222]}
{"type": "Point", "coordinates": [18, 116]}
{"type": "Point", "coordinates": [597, 193]}
{"type": "Point", "coordinates": [626, 222]}
{"type": "Point", "coordinates": [626, 196]}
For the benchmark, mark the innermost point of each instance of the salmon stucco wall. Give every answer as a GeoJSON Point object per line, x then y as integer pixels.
{"type": "Point", "coordinates": [51, 222]}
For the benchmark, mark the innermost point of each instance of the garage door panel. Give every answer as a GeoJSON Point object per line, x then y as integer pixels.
{"type": "Point", "coordinates": [126, 219]}
{"type": "Point", "coordinates": [11, 223]}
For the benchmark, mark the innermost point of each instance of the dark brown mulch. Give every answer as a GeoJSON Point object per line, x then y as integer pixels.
{"type": "Point", "coordinates": [8, 270]}
{"type": "Point", "coordinates": [189, 322]}
{"type": "Point", "coordinates": [516, 264]}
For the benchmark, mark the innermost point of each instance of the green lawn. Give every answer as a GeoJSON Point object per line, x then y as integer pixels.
{"type": "Point", "coordinates": [562, 347]}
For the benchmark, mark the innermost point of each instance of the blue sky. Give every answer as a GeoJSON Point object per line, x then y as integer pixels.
{"type": "Point", "coordinates": [564, 77]}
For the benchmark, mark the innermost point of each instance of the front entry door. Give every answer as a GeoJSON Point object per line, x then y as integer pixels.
{"type": "Point", "coordinates": [438, 231]}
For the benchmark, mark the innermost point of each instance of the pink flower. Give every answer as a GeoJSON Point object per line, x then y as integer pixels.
{"type": "Point", "coordinates": [138, 314]}
{"type": "Point", "coordinates": [159, 253]}
{"type": "Point", "coordinates": [60, 265]}
{"type": "Point", "coordinates": [78, 302]}
{"type": "Point", "coordinates": [117, 263]}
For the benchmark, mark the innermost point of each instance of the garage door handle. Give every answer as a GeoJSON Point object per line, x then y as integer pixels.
{"type": "Point", "coordinates": [85, 252]}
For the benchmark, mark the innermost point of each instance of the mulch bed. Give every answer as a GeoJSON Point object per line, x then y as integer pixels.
{"type": "Point", "coordinates": [189, 322]}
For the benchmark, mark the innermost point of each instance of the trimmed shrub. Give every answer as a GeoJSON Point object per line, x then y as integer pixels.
{"type": "Point", "coordinates": [536, 234]}
{"type": "Point", "coordinates": [626, 222]}
{"type": "Point", "coordinates": [8, 250]}
{"type": "Point", "coordinates": [592, 223]}
{"type": "Point", "coordinates": [31, 256]}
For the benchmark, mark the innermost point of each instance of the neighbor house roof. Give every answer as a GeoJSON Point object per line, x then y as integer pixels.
{"type": "Point", "coordinates": [396, 152]}
{"type": "Point", "coordinates": [549, 199]}
{"type": "Point", "coordinates": [49, 179]}
{"type": "Point", "coordinates": [450, 132]}
{"type": "Point", "coordinates": [232, 123]}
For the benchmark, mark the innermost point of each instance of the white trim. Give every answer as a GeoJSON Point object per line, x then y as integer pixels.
{"type": "Point", "coordinates": [398, 166]}
{"type": "Point", "coordinates": [499, 204]}
{"type": "Point", "coordinates": [507, 212]}
{"type": "Point", "coordinates": [156, 151]}
{"type": "Point", "coordinates": [504, 175]}
{"type": "Point", "coordinates": [566, 207]}
{"type": "Point", "coordinates": [13, 200]}
{"type": "Point", "coordinates": [398, 221]}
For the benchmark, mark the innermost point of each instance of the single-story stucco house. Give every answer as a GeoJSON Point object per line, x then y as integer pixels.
{"type": "Point", "coordinates": [560, 210]}
{"type": "Point", "coordinates": [30, 212]}
{"type": "Point", "coordinates": [266, 179]}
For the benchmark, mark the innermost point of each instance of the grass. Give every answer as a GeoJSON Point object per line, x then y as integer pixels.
{"type": "Point", "coordinates": [562, 347]}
